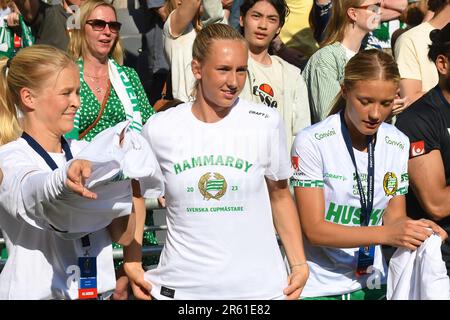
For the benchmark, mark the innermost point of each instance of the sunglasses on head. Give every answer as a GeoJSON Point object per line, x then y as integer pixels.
{"type": "Point", "coordinates": [100, 25]}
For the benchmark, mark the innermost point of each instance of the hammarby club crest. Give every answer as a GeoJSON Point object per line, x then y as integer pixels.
{"type": "Point", "coordinates": [390, 183]}
{"type": "Point", "coordinates": [212, 186]}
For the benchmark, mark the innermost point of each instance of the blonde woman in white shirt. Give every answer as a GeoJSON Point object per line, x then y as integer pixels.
{"type": "Point", "coordinates": [225, 168]}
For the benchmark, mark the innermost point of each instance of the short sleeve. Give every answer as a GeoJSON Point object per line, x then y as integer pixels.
{"type": "Point", "coordinates": [422, 129]}
{"type": "Point", "coordinates": [307, 163]}
{"type": "Point", "coordinates": [403, 185]}
{"type": "Point", "coordinates": [279, 167]}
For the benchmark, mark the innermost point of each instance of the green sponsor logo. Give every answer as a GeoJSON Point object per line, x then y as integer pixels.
{"type": "Point", "coordinates": [224, 209]}
{"type": "Point", "coordinates": [402, 191]}
{"type": "Point", "coordinates": [404, 177]}
{"type": "Point", "coordinates": [323, 135]}
{"type": "Point", "coordinates": [362, 176]}
{"type": "Point", "coordinates": [343, 214]}
{"type": "Point", "coordinates": [394, 142]}
{"type": "Point", "coordinates": [212, 160]}
{"type": "Point", "coordinates": [307, 183]}
{"type": "Point", "coordinates": [334, 176]}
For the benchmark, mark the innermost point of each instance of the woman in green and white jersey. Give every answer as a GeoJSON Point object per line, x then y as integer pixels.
{"type": "Point", "coordinates": [350, 181]}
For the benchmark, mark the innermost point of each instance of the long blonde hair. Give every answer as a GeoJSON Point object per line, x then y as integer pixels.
{"type": "Point", "coordinates": [339, 20]}
{"type": "Point", "coordinates": [366, 65]}
{"type": "Point", "coordinates": [30, 68]}
{"type": "Point", "coordinates": [78, 45]}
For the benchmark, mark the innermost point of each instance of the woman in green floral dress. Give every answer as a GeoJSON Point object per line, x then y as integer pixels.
{"type": "Point", "coordinates": [110, 93]}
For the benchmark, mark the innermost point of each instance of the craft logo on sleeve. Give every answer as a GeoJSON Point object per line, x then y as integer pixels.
{"type": "Point", "coordinates": [417, 148]}
{"type": "Point", "coordinates": [295, 162]}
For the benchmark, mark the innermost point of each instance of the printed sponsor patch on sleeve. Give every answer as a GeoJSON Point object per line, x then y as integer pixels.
{"type": "Point", "coordinates": [295, 162]}
{"type": "Point", "coordinates": [417, 148]}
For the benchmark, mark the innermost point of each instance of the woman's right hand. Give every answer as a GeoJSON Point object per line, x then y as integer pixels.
{"type": "Point", "coordinates": [407, 233]}
{"type": "Point", "coordinates": [78, 172]}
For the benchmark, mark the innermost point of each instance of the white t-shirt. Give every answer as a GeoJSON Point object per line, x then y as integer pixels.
{"type": "Point", "coordinates": [221, 242]}
{"type": "Point", "coordinates": [348, 52]}
{"type": "Point", "coordinates": [411, 55]}
{"type": "Point", "coordinates": [268, 85]}
{"type": "Point", "coordinates": [321, 159]}
{"type": "Point", "coordinates": [419, 274]}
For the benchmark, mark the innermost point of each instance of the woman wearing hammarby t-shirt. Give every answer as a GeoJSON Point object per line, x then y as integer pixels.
{"type": "Point", "coordinates": [347, 216]}
{"type": "Point", "coordinates": [225, 168]}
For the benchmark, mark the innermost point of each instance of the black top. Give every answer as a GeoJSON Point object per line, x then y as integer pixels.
{"type": "Point", "coordinates": [50, 25]}
{"type": "Point", "coordinates": [427, 124]}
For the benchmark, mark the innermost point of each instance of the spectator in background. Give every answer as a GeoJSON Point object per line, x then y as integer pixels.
{"type": "Point", "coordinates": [319, 16]}
{"type": "Point", "coordinates": [427, 124]}
{"type": "Point", "coordinates": [235, 14]}
{"type": "Point", "coordinates": [185, 19]}
{"type": "Point", "coordinates": [156, 66]}
{"type": "Point", "coordinates": [49, 23]}
{"type": "Point", "coordinates": [110, 93]}
{"type": "Point", "coordinates": [418, 73]}
{"type": "Point", "coordinates": [296, 33]}
{"type": "Point", "coordinates": [380, 38]}
{"type": "Point", "coordinates": [271, 80]}
{"type": "Point", "coordinates": [350, 21]}
{"type": "Point", "coordinates": [413, 16]}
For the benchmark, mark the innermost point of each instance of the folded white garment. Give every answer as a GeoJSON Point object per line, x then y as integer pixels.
{"type": "Point", "coordinates": [419, 274]}
{"type": "Point", "coordinates": [113, 165]}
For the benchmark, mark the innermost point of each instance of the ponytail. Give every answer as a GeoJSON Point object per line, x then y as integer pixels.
{"type": "Point", "coordinates": [9, 124]}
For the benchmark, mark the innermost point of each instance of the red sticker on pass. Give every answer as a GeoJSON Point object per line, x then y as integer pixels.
{"type": "Point", "coordinates": [90, 293]}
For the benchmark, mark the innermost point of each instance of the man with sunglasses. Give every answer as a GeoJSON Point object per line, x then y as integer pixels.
{"type": "Point", "coordinates": [49, 22]}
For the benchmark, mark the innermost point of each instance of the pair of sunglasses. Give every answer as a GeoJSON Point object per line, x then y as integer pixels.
{"type": "Point", "coordinates": [375, 8]}
{"type": "Point", "coordinates": [100, 25]}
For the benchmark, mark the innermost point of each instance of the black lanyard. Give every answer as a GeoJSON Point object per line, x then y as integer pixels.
{"type": "Point", "coordinates": [40, 151]}
{"type": "Point", "coordinates": [366, 203]}
{"type": "Point", "coordinates": [52, 164]}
